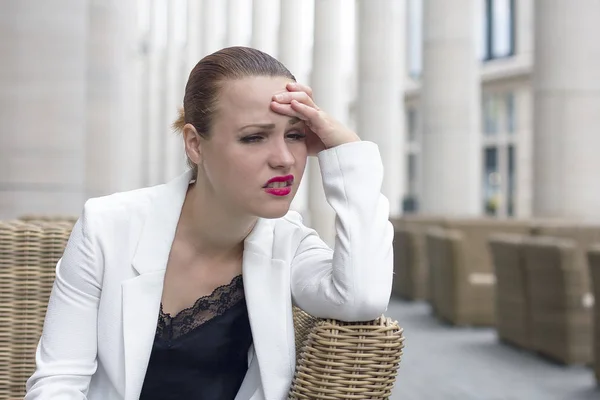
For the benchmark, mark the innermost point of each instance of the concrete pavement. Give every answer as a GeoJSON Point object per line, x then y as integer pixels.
{"type": "Point", "coordinates": [442, 362]}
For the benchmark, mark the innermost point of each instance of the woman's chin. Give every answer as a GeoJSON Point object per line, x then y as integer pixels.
{"type": "Point", "coordinates": [272, 211]}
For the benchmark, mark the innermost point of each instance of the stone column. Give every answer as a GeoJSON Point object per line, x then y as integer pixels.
{"type": "Point", "coordinates": [451, 109]}
{"type": "Point", "coordinates": [295, 52]}
{"type": "Point", "coordinates": [265, 23]}
{"type": "Point", "coordinates": [155, 169]}
{"type": "Point", "coordinates": [330, 93]}
{"type": "Point", "coordinates": [239, 23]}
{"type": "Point", "coordinates": [566, 98]}
{"type": "Point", "coordinates": [174, 153]}
{"type": "Point", "coordinates": [213, 26]}
{"type": "Point", "coordinates": [114, 144]}
{"type": "Point", "coordinates": [42, 107]}
{"type": "Point", "coordinates": [194, 34]}
{"type": "Point", "coordinates": [381, 71]}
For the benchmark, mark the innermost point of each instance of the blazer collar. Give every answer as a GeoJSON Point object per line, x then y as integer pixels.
{"type": "Point", "coordinates": [267, 288]}
{"type": "Point", "coordinates": [157, 235]}
{"type": "Point", "coordinates": [159, 228]}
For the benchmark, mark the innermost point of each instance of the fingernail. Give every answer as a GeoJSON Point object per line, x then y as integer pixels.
{"type": "Point", "coordinates": [278, 97]}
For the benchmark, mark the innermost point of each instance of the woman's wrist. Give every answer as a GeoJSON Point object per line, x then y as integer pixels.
{"type": "Point", "coordinates": [347, 137]}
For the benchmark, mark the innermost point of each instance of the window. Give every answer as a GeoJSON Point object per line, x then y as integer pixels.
{"type": "Point", "coordinates": [415, 38]}
{"type": "Point", "coordinates": [510, 112]}
{"type": "Point", "coordinates": [412, 174]}
{"type": "Point", "coordinates": [510, 197]}
{"type": "Point", "coordinates": [412, 157]}
{"type": "Point", "coordinates": [491, 181]}
{"type": "Point", "coordinates": [498, 28]}
{"type": "Point", "coordinates": [409, 203]}
{"type": "Point", "coordinates": [411, 122]}
{"type": "Point", "coordinates": [499, 126]}
{"type": "Point", "coordinates": [498, 113]}
{"type": "Point", "coordinates": [491, 115]}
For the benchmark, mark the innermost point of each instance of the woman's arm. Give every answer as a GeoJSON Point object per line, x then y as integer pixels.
{"type": "Point", "coordinates": [66, 353]}
{"type": "Point", "coordinates": [354, 281]}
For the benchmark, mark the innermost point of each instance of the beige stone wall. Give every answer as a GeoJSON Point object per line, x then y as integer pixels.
{"type": "Point", "coordinates": [42, 106]}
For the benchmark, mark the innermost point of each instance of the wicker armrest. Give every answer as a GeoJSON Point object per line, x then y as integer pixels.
{"type": "Point", "coordinates": [345, 360]}
{"type": "Point", "coordinates": [29, 252]}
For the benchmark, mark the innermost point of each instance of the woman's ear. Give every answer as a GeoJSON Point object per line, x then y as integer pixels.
{"type": "Point", "coordinates": [193, 145]}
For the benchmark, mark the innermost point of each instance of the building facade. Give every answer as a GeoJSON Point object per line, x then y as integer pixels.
{"type": "Point", "coordinates": [480, 107]}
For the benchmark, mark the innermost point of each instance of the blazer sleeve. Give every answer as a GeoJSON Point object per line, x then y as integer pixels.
{"type": "Point", "coordinates": [66, 353]}
{"type": "Point", "coordinates": [353, 282]}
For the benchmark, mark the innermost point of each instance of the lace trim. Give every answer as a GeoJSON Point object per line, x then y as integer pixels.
{"type": "Point", "coordinates": [203, 310]}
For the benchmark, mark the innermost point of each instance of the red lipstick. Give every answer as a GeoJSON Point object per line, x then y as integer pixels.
{"type": "Point", "coordinates": [279, 185]}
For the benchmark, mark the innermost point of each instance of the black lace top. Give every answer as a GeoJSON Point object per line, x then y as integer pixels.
{"type": "Point", "coordinates": [202, 352]}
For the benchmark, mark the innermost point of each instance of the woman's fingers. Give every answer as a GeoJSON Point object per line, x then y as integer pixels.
{"type": "Point", "coordinates": [301, 97]}
{"type": "Point", "coordinates": [286, 109]}
{"type": "Point", "coordinates": [298, 87]}
{"type": "Point", "coordinates": [314, 118]}
{"type": "Point", "coordinates": [311, 115]}
{"type": "Point", "coordinates": [297, 102]}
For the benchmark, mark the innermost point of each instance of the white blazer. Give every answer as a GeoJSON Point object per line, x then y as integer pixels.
{"type": "Point", "coordinates": [103, 310]}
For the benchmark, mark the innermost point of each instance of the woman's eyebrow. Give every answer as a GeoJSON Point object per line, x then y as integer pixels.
{"type": "Point", "coordinates": [261, 126]}
{"type": "Point", "coordinates": [292, 121]}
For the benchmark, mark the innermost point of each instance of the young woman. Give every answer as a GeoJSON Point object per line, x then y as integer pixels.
{"type": "Point", "coordinates": [185, 290]}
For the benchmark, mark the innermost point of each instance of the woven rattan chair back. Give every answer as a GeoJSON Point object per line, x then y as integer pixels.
{"type": "Point", "coordinates": [345, 360]}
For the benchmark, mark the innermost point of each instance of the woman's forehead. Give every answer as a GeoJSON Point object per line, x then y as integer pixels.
{"type": "Point", "coordinates": [250, 95]}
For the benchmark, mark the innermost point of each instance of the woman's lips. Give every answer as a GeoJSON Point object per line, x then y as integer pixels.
{"type": "Point", "coordinates": [284, 191]}
{"type": "Point", "coordinates": [288, 179]}
{"type": "Point", "coordinates": [279, 185]}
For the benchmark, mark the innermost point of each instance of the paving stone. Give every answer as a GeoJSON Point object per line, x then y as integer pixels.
{"type": "Point", "coordinates": [446, 363]}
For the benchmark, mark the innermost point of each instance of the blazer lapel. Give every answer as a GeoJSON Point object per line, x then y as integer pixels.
{"type": "Point", "coordinates": [141, 302]}
{"type": "Point", "coordinates": [158, 233]}
{"type": "Point", "coordinates": [267, 289]}
{"type": "Point", "coordinates": [142, 294]}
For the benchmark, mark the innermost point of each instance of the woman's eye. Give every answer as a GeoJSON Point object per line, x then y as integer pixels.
{"type": "Point", "coordinates": [296, 135]}
{"type": "Point", "coordinates": [252, 139]}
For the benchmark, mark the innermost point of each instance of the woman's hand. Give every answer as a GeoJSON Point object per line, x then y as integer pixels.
{"type": "Point", "coordinates": [323, 132]}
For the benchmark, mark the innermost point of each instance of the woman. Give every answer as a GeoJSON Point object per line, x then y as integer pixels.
{"type": "Point", "coordinates": [185, 290]}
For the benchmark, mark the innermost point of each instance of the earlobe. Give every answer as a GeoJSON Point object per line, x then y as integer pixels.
{"type": "Point", "coordinates": [193, 147]}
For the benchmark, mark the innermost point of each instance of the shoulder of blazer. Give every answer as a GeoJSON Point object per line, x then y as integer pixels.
{"type": "Point", "coordinates": [117, 203]}
{"type": "Point", "coordinates": [290, 229]}
{"type": "Point", "coordinates": [116, 212]}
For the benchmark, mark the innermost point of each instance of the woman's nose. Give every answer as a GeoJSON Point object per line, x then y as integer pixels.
{"type": "Point", "coordinates": [281, 156]}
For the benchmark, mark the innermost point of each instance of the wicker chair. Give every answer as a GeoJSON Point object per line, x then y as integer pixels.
{"type": "Point", "coordinates": [593, 256]}
{"type": "Point", "coordinates": [28, 255]}
{"type": "Point", "coordinates": [560, 302]}
{"type": "Point", "coordinates": [7, 284]}
{"type": "Point", "coordinates": [411, 264]}
{"type": "Point", "coordinates": [437, 252]}
{"type": "Point", "coordinates": [336, 360]}
{"type": "Point", "coordinates": [340, 360]}
{"type": "Point", "coordinates": [410, 270]}
{"type": "Point", "coordinates": [513, 319]}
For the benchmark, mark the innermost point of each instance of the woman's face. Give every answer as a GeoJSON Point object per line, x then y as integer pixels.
{"type": "Point", "coordinates": [255, 158]}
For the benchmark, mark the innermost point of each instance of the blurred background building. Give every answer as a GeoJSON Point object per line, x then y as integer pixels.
{"type": "Point", "coordinates": [478, 106]}
{"type": "Point", "coordinates": [484, 109]}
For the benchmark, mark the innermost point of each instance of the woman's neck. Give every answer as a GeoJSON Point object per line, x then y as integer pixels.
{"type": "Point", "coordinates": [210, 228]}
